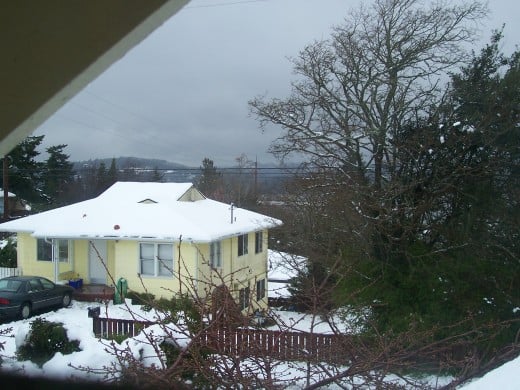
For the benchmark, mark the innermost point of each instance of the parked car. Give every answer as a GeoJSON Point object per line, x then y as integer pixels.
{"type": "Point", "coordinates": [20, 296]}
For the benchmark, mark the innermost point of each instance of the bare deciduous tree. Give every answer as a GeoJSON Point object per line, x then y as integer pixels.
{"type": "Point", "coordinates": [355, 91]}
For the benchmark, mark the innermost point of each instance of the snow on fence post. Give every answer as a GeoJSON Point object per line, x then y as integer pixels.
{"type": "Point", "coordinates": [5, 272]}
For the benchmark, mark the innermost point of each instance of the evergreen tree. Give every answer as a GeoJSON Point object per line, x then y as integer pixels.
{"type": "Point", "coordinates": [445, 244]}
{"type": "Point", "coordinates": [24, 172]}
{"type": "Point", "coordinates": [88, 179]}
{"type": "Point", "coordinates": [102, 178]}
{"type": "Point", "coordinates": [8, 256]}
{"type": "Point", "coordinates": [58, 176]}
{"type": "Point", "coordinates": [112, 176]}
{"type": "Point", "coordinates": [157, 176]}
{"type": "Point", "coordinates": [210, 180]}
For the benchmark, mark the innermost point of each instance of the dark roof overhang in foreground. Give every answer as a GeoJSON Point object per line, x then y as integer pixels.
{"type": "Point", "coordinates": [52, 49]}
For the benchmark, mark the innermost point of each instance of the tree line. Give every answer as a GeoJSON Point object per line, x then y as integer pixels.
{"type": "Point", "coordinates": [54, 182]}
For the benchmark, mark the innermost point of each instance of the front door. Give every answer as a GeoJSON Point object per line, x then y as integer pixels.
{"type": "Point", "coordinates": [97, 261]}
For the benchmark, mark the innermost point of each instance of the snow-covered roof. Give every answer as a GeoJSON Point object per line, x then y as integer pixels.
{"type": "Point", "coordinates": [9, 194]}
{"type": "Point", "coordinates": [135, 210]}
{"type": "Point", "coordinates": [282, 268]}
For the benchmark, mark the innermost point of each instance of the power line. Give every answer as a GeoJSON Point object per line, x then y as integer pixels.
{"type": "Point", "coordinates": [144, 118]}
{"type": "Point", "coordinates": [225, 4]}
{"type": "Point", "coordinates": [122, 134]}
{"type": "Point", "coordinates": [262, 172]}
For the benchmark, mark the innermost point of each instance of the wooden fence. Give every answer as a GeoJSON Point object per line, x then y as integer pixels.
{"type": "Point", "coordinates": [110, 327]}
{"type": "Point", "coordinates": [5, 272]}
{"type": "Point", "coordinates": [283, 345]}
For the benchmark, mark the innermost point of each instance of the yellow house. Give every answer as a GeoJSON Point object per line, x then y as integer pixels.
{"type": "Point", "coordinates": [161, 238]}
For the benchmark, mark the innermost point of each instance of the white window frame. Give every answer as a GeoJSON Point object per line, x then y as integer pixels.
{"type": "Point", "coordinates": [68, 257]}
{"type": "Point", "coordinates": [244, 297]}
{"type": "Point", "coordinates": [44, 243]}
{"type": "Point", "coordinates": [243, 242]}
{"type": "Point", "coordinates": [157, 263]}
{"type": "Point", "coordinates": [215, 254]}
{"type": "Point", "coordinates": [259, 241]}
{"type": "Point", "coordinates": [56, 249]}
{"type": "Point", "coordinates": [260, 289]}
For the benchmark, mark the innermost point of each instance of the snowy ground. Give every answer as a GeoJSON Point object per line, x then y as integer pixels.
{"type": "Point", "coordinates": [94, 354]}
{"type": "Point", "coordinates": [282, 268]}
{"type": "Point", "coordinates": [505, 377]}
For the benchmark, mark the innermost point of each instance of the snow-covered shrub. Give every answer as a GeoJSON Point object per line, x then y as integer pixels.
{"type": "Point", "coordinates": [144, 299]}
{"type": "Point", "coordinates": [44, 340]}
{"type": "Point", "coordinates": [8, 253]}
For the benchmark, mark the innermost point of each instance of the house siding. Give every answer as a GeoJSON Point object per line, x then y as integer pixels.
{"type": "Point", "coordinates": [27, 258]}
{"type": "Point", "coordinates": [207, 277]}
{"type": "Point", "coordinates": [237, 271]}
{"type": "Point", "coordinates": [193, 267]}
{"type": "Point", "coordinates": [127, 266]}
{"type": "Point", "coordinates": [253, 264]}
{"type": "Point", "coordinates": [251, 268]}
{"type": "Point", "coordinates": [191, 195]}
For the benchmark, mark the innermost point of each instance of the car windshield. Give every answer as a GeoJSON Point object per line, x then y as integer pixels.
{"type": "Point", "coordinates": [9, 285]}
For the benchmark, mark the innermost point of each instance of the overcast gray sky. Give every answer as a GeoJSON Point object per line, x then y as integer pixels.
{"type": "Point", "coordinates": [181, 95]}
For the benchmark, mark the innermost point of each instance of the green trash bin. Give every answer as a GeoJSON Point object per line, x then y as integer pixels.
{"type": "Point", "coordinates": [121, 290]}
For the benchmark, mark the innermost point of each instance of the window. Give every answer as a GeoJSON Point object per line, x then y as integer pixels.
{"type": "Point", "coordinates": [44, 250]}
{"type": "Point", "coordinates": [165, 259]}
{"type": "Point", "coordinates": [35, 285]}
{"type": "Point", "coordinates": [259, 242]}
{"type": "Point", "coordinates": [63, 250]}
{"type": "Point", "coordinates": [215, 256]}
{"type": "Point", "coordinates": [156, 259]}
{"type": "Point", "coordinates": [47, 285]}
{"type": "Point", "coordinates": [243, 298]}
{"type": "Point", "coordinates": [242, 245]}
{"type": "Point", "coordinates": [260, 289]}
{"type": "Point", "coordinates": [146, 253]}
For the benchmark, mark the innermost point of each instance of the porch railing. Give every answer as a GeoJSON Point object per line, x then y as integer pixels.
{"type": "Point", "coordinates": [110, 327]}
{"type": "Point", "coordinates": [5, 272]}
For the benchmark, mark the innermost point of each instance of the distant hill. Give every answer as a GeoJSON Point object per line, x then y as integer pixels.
{"type": "Point", "coordinates": [269, 174]}
{"type": "Point", "coordinates": [151, 163]}
{"type": "Point", "coordinates": [131, 162]}
{"type": "Point", "coordinates": [143, 168]}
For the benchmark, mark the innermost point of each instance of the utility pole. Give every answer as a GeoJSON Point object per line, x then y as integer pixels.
{"type": "Point", "coordinates": [256, 177]}
{"type": "Point", "coordinates": [5, 185]}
